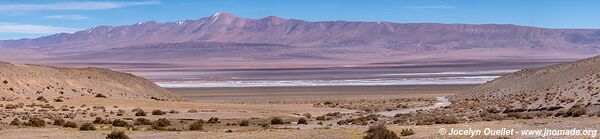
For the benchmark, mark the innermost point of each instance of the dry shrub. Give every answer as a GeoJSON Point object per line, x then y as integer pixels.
{"type": "Point", "coordinates": [448, 120]}
{"type": "Point", "coordinates": [59, 122]}
{"type": "Point", "coordinates": [158, 112]}
{"type": "Point", "coordinates": [576, 111]}
{"type": "Point", "coordinates": [140, 113]}
{"type": "Point", "coordinates": [192, 111]}
{"type": "Point", "coordinates": [99, 120]}
{"type": "Point", "coordinates": [379, 131]}
{"type": "Point", "coordinates": [100, 96]}
{"type": "Point", "coordinates": [407, 132]}
{"type": "Point", "coordinates": [87, 127]}
{"type": "Point", "coordinates": [277, 121]}
{"type": "Point", "coordinates": [69, 124]}
{"type": "Point", "coordinates": [119, 123]}
{"type": "Point", "coordinates": [196, 125]}
{"type": "Point", "coordinates": [142, 121]}
{"type": "Point", "coordinates": [302, 121]}
{"type": "Point", "coordinates": [244, 123]}
{"type": "Point", "coordinates": [117, 135]}
{"type": "Point", "coordinates": [213, 120]}
{"type": "Point", "coordinates": [161, 123]}
{"type": "Point", "coordinates": [36, 122]}
{"type": "Point", "coordinates": [16, 122]}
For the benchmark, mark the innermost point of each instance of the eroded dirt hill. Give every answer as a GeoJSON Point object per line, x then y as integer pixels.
{"type": "Point", "coordinates": [22, 81]}
{"type": "Point", "coordinates": [557, 86]}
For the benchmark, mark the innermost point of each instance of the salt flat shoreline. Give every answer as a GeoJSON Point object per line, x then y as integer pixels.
{"type": "Point", "coordinates": [311, 93]}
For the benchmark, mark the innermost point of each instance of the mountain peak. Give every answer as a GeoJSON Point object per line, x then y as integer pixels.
{"type": "Point", "coordinates": [220, 14]}
{"type": "Point", "coordinates": [273, 19]}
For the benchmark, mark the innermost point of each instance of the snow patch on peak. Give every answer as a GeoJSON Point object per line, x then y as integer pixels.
{"type": "Point", "coordinates": [180, 22]}
{"type": "Point", "coordinates": [91, 29]}
{"type": "Point", "coordinates": [217, 14]}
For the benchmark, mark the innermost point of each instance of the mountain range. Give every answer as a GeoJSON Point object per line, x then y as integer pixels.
{"type": "Point", "coordinates": [224, 40]}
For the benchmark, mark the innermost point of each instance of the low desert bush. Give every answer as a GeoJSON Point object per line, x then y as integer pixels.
{"type": "Point", "coordinates": [192, 111]}
{"type": "Point", "coordinates": [41, 98]}
{"type": "Point", "coordinates": [87, 127]}
{"type": "Point", "coordinates": [320, 118]}
{"type": "Point", "coordinates": [100, 96]}
{"type": "Point", "coordinates": [307, 115]}
{"type": "Point", "coordinates": [521, 115]}
{"type": "Point", "coordinates": [196, 125]}
{"type": "Point", "coordinates": [11, 106]}
{"type": "Point", "coordinates": [119, 123]}
{"type": "Point", "coordinates": [561, 113]}
{"type": "Point", "coordinates": [379, 131]}
{"type": "Point", "coordinates": [213, 120]}
{"type": "Point", "coordinates": [244, 123]}
{"type": "Point", "coordinates": [576, 112]}
{"type": "Point", "coordinates": [162, 122]}
{"type": "Point", "coordinates": [117, 135]}
{"type": "Point", "coordinates": [36, 122]}
{"type": "Point", "coordinates": [142, 121]}
{"type": "Point", "coordinates": [407, 132]}
{"type": "Point", "coordinates": [16, 122]}
{"type": "Point", "coordinates": [449, 120]}
{"type": "Point", "coordinates": [265, 125]}
{"type": "Point", "coordinates": [99, 120]}
{"type": "Point", "coordinates": [69, 124]}
{"type": "Point", "coordinates": [59, 122]}
{"type": "Point", "coordinates": [158, 112]}
{"type": "Point", "coordinates": [277, 121]}
{"type": "Point", "coordinates": [140, 113]}
{"type": "Point", "coordinates": [136, 109]}
{"type": "Point", "coordinates": [363, 120]}
{"type": "Point", "coordinates": [425, 120]}
{"type": "Point", "coordinates": [302, 121]}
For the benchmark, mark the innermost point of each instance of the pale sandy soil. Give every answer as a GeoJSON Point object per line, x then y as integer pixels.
{"type": "Point", "coordinates": [258, 111]}
{"type": "Point", "coordinates": [206, 109]}
{"type": "Point", "coordinates": [430, 131]}
{"type": "Point", "coordinates": [314, 94]}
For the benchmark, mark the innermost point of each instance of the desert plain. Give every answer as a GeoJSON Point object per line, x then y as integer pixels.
{"type": "Point", "coordinates": [257, 107]}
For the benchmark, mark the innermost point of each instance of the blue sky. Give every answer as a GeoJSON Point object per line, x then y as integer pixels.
{"type": "Point", "coordinates": [35, 18]}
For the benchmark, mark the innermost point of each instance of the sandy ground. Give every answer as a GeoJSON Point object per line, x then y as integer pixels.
{"type": "Point", "coordinates": [266, 94]}
{"type": "Point", "coordinates": [430, 131]}
{"type": "Point", "coordinates": [261, 104]}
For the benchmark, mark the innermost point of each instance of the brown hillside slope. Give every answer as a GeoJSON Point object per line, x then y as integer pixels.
{"type": "Point", "coordinates": [562, 85]}
{"type": "Point", "coordinates": [21, 81]}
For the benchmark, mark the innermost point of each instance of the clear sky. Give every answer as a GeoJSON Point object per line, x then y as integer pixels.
{"type": "Point", "coordinates": [35, 18]}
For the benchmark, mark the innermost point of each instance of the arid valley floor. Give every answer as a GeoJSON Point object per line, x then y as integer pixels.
{"type": "Point", "coordinates": [258, 106]}
{"type": "Point", "coordinates": [299, 69]}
